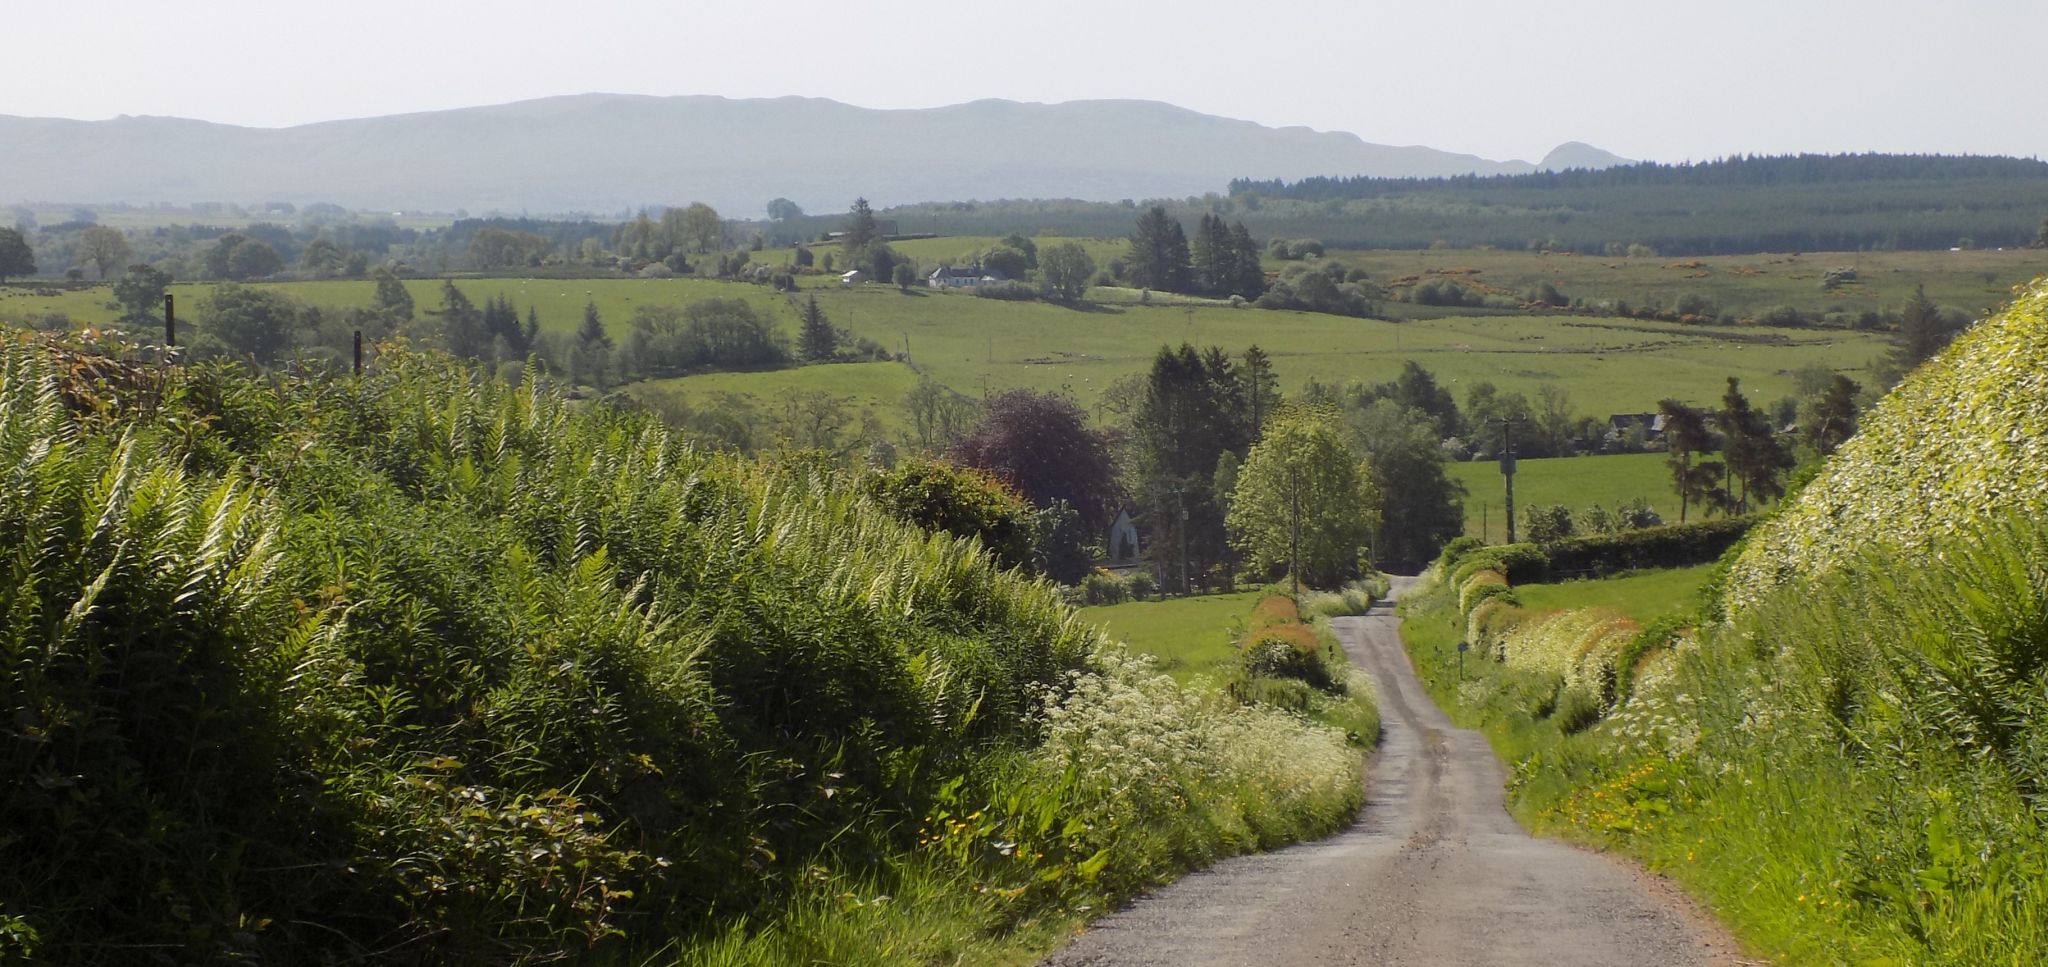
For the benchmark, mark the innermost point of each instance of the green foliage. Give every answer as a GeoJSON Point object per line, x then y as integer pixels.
{"type": "Point", "coordinates": [1064, 272]}
{"type": "Point", "coordinates": [1303, 486]}
{"type": "Point", "coordinates": [328, 667]}
{"type": "Point", "coordinates": [16, 257]}
{"type": "Point", "coordinates": [1975, 420]}
{"type": "Point", "coordinates": [1667, 546]}
{"type": "Point", "coordinates": [1518, 563]}
{"type": "Point", "coordinates": [961, 501]}
{"type": "Point", "coordinates": [1546, 524]}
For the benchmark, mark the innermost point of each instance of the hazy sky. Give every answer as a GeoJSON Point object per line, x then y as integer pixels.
{"type": "Point", "coordinates": [1641, 78]}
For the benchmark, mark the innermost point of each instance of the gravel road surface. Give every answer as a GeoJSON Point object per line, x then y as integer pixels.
{"type": "Point", "coordinates": [1432, 872]}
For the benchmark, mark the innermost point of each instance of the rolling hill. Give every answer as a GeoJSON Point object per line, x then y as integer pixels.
{"type": "Point", "coordinates": [610, 152]}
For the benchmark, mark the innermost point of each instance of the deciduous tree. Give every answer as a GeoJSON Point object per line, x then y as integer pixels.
{"type": "Point", "coordinates": [1040, 444]}
{"type": "Point", "coordinates": [140, 292]}
{"type": "Point", "coordinates": [104, 247]}
{"type": "Point", "coordinates": [1303, 487]}
{"type": "Point", "coordinates": [1064, 271]}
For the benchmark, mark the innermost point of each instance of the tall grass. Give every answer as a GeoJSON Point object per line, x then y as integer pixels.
{"type": "Point", "coordinates": [425, 667]}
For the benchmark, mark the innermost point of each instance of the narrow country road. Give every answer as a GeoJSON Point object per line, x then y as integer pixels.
{"type": "Point", "coordinates": [1432, 872]}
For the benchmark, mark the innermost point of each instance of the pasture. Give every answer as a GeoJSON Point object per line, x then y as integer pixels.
{"type": "Point", "coordinates": [1606, 365]}
{"type": "Point", "coordinates": [1187, 636]}
{"type": "Point", "coordinates": [1609, 480]}
{"type": "Point", "coordinates": [1642, 595]}
{"type": "Point", "coordinates": [1975, 281]}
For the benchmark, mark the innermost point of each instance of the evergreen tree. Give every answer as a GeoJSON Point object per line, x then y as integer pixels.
{"type": "Point", "coordinates": [462, 326]}
{"type": "Point", "coordinates": [1250, 274]}
{"type": "Point", "coordinates": [1755, 458]}
{"type": "Point", "coordinates": [529, 335]}
{"type": "Point", "coordinates": [860, 229]}
{"type": "Point", "coordinates": [817, 340]}
{"type": "Point", "coordinates": [1191, 413]}
{"type": "Point", "coordinates": [1261, 389]}
{"type": "Point", "coordinates": [593, 347]}
{"type": "Point", "coordinates": [16, 258]}
{"type": "Point", "coordinates": [1212, 257]}
{"type": "Point", "coordinates": [1159, 252]}
{"type": "Point", "coordinates": [1685, 434]}
{"type": "Point", "coordinates": [1421, 505]}
{"type": "Point", "coordinates": [1832, 418]}
{"type": "Point", "coordinates": [1922, 333]}
{"type": "Point", "coordinates": [392, 299]}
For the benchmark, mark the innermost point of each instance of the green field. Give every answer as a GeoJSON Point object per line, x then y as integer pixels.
{"type": "Point", "coordinates": [876, 387]}
{"type": "Point", "coordinates": [1189, 636]}
{"type": "Point", "coordinates": [1642, 595]}
{"type": "Point", "coordinates": [558, 301]}
{"type": "Point", "coordinates": [1607, 365]}
{"type": "Point", "coordinates": [1609, 480]}
{"type": "Point", "coordinates": [978, 346]}
{"type": "Point", "coordinates": [1975, 281]}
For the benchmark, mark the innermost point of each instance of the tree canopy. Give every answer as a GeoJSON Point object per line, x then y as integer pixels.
{"type": "Point", "coordinates": [1040, 444]}
{"type": "Point", "coordinates": [1303, 485]}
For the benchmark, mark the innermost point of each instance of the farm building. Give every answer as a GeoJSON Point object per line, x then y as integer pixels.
{"type": "Point", "coordinates": [961, 277]}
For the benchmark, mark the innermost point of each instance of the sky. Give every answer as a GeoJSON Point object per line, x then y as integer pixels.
{"type": "Point", "coordinates": [1642, 78]}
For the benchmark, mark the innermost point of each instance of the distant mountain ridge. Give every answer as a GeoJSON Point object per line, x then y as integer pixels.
{"type": "Point", "coordinates": [608, 152]}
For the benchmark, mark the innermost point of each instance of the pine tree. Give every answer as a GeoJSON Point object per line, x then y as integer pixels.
{"type": "Point", "coordinates": [462, 326]}
{"type": "Point", "coordinates": [1261, 389]}
{"type": "Point", "coordinates": [1250, 276]}
{"type": "Point", "coordinates": [1685, 433]}
{"type": "Point", "coordinates": [1159, 252]}
{"type": "Point", "coordinates": [530, 335]}
{"type": "Point", "coordinates": [1213, 257]}
{"type": "Point", "coordinates": [1922, 333]}
{"type": "Point", "coordinates": [817, 341]}
{"type": "Point", "coordinates": [392, 299]}
{"type": "Point", "coordinates": [860, 229]}
{"type": "Point", "coordinates": [593, 347]}
{"type": "Point", "coordinates": [1755, 458]}
{"type": "Point", "coordinates": [1832, 419]}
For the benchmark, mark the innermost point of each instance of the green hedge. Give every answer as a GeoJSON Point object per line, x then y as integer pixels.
{"type": "Point", "coordinates": [1519, 563]}
{"type": "Point", "coordinates": [1673, 545]}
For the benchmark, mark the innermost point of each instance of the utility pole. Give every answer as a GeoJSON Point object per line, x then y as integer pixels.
{"type": "Point", "coordinates": [170, 321]}
{"type": "Point", "coordinates": [1294, 528]}
{"type": "Point", "coordinates": [1181, 497]}
{"type": "Point", "coordinates": [1507, 464]}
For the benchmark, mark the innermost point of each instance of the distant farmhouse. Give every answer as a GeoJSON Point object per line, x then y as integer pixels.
{"type": "Point", "coordinates": [962, 277]}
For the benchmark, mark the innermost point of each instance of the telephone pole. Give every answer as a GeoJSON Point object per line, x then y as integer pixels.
{"type": "Point", "coordinates": [1294, 527]}
{"type": "Point", "coordinates": [1507, 464]}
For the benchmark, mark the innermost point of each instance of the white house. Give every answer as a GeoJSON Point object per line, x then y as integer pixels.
{"type": "Point", "coordinates": [961, 277]}
{"type": "Point", "coordinates": [854, 277]}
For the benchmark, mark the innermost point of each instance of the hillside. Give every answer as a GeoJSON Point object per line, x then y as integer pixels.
{"type": "Point", "coordinates": [421, 667]}
{"type": "Point", "coordinates": [1975, 422]}
{"type": "Point", "coordinates": [611, 152]}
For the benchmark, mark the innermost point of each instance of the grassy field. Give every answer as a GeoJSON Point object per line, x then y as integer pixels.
{"type": "Point", "coordinates": [559, 301]}
{"type": "Point", "coordinates": [1607, 365]}
{"type": "Point", "coordinates": [1576, 482]}
{"type": "Point", "coordinates": [1974, 281]}
{"type": "Point", "coordinates": [1642, 595]}
{"type": "Point", "coordinates": [1189, 636]}
{"type": "Point", "coordinates": [878, 387]}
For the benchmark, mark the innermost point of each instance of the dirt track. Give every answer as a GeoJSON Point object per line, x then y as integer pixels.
{"type": "Point", "coordinates": [1432, 872]}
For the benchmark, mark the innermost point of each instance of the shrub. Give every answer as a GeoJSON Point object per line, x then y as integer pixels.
{"type": "Point", "coordinates": [1519, 563]}
{"type": "Point", "coordinates": [1456, 550]}
{"type": "Point", "coordinates": [1100, 587]}
{"type": "Point", "coordinates": [1142, 586]}
{"type": "Point", "coordinates": [961, 501]}
{"type": "Point", "coordinates": [1666, 546]}
{"type": "Point", "coordinates": [1007, 291]}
